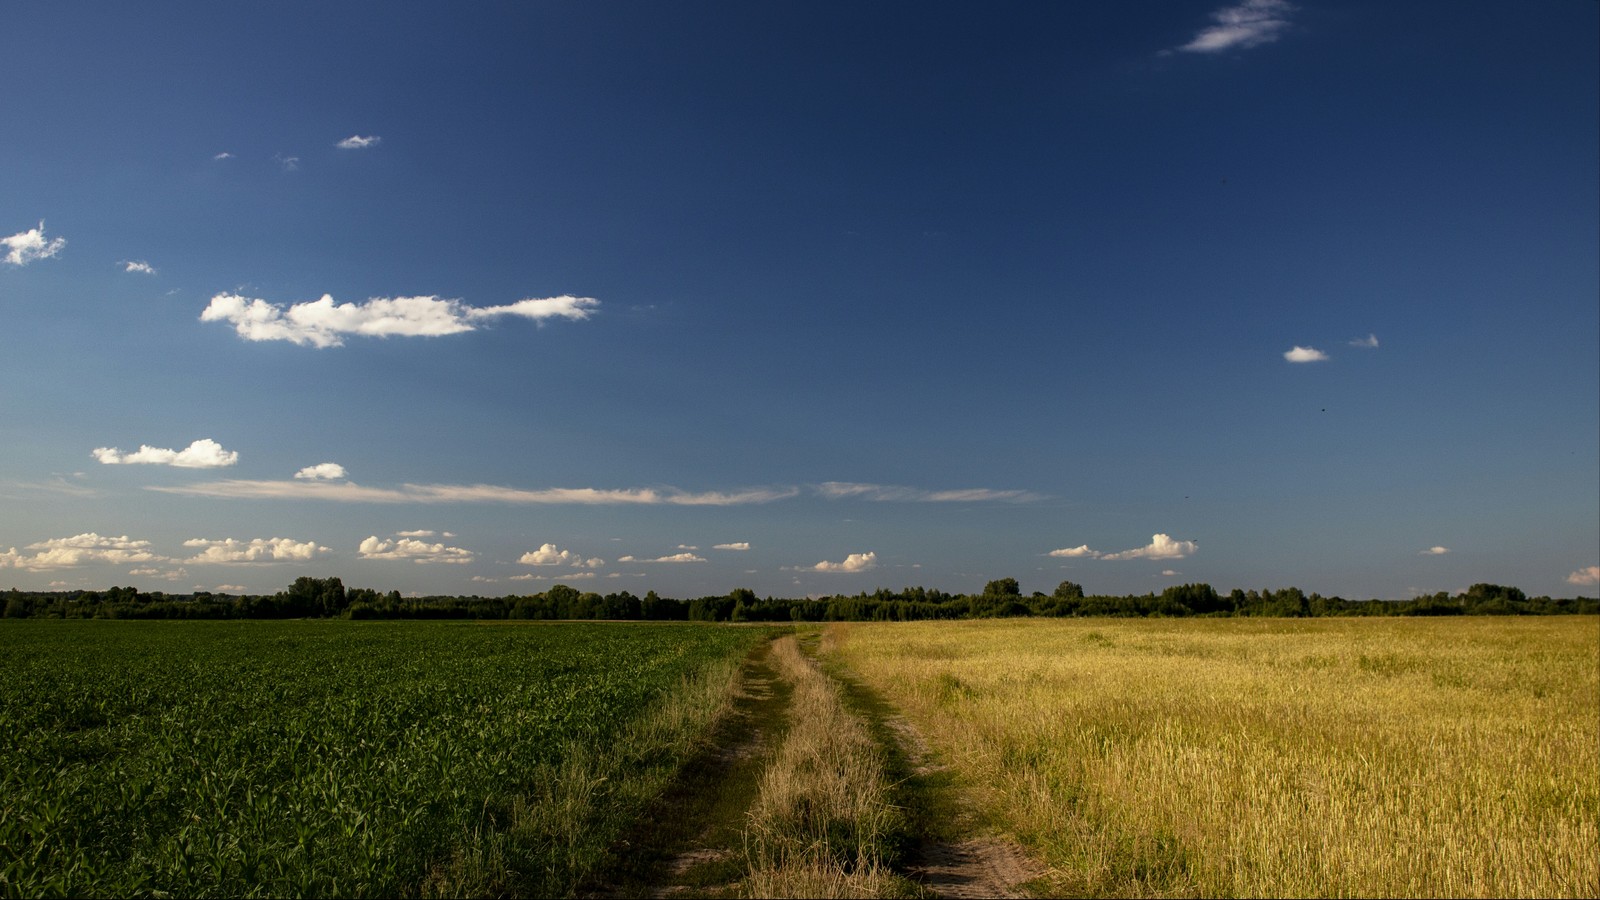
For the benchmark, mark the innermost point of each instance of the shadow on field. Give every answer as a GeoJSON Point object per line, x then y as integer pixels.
{"type": "Point", "coordinates": [690, 843]}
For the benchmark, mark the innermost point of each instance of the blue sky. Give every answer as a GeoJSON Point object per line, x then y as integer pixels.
{"type": "Point", "coordinates": [805, 297]}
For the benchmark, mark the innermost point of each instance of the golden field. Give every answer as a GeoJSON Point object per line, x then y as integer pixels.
{"type": "Point", "coordinates": [1249, 757]}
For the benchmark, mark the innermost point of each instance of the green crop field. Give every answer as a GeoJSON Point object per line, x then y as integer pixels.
{"type": "Point", "coordinates": [336, 758]}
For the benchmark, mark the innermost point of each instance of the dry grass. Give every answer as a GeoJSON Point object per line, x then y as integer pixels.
{"type": "Point", "coordinates": [1270, 757]}
{"type": "Point", "coordinates": [822, 820]}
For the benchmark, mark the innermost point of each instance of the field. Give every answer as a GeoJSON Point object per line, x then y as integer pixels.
{"type": "Point", "coordinates": [1267, 757]}
{"type": "Point", "coordinates": [333, 758]}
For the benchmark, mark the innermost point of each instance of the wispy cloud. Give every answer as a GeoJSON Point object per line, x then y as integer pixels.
{"type": "Point", "coordinates": [1161, 546]}
{"type": "Point", "coordinates": [1434, 551]}
{"type": "Point", "coordinates": [26, 246]}
{"type": "Point", "coordinates": [1370, 342]}
{"type": "Point", "coordinates": [357, 142]}
{"type": "Point", "coordinates": [674, 558]}
{"type": "Point", "coordinates": [321, 472]}
{"type": "Point", "coordinates": [414, 550]}
{"type": "Point", "coordinates": [855, 562]}
{"type": "Point", "coordinates": [80, 550]}
{"type": "Point", "coordinates": [323, 323]}
{"type": "Point", "coordinates": [202, 454]}
{"type": "Point", "coordinates": [1249, 24]}
{"type": "Point", "coordinates": [1079, 552]}
{"type": "Point", "coordinates": [349, 492]}
{"type": "Point", "coordinates": [222, 156]}
{"type": "Point", "coordinates": [741, 545]}
{"type": "Point", "coordinates": [1304, 355]}
{"type": "Point", "coordinates": [1588, 576]}
{"type": "Point", "coordinates": [287, 163]}
{"type": "Point", "coordinates": [138, 266]}
{"type": "Point", "coordinates": [257, 550]}
{"type": "Point", "coordinates": [837, 490]}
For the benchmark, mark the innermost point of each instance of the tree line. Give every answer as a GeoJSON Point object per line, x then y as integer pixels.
{"type": "Point", "coordinates": [311, 597]}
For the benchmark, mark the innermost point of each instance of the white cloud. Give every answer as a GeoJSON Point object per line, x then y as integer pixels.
{"type": "Point", "coordinates": [322, 323]}
{"type": "Point", "coordinates": [1589, 575]}
{"type": "Point", "coordinates": [79, 550]}
{"type": "Point", "coordinates": [420, 533]}
{"type": "Point", "coordinates": [674, 558]}
{"type": "Point", "coordinates": [26, 246]}
{"type": "Point", "coordinates": [1304, 355]}
{"type": "Point", "coordinates": [289, 163]}
{"type": "Point", "coordinates": [417, 551]}
{"type": "Point", "coordinates": [223, 155]}
{"type": "Point", "coordinates": [484, 579]}
{"type": "Point", "coordinates": [231, 588]}
{"type": "Point", "coordinates": [1170, 573]}
{"type": "Point", "coordinates": [470, 493]}
{"type": "Point", "coordinates": [202, 454]}
{"type": "Point", "coordinates": [1434, 551]}
{"type": "Point", "coordinates": [134, 265]}
{"type": "Point", "coordinates": [1370, 342]}
{"type": "Point", "coordinates": [1161, 546]}
{"type": "Point", "coordinates": [177, 574]}
{"type": "Point", "coordinates": [1249, 24]}
{"type": "Point", "coordinates": [1081, 550]}
{"type": "Point", "coordinates": [357, 142]}
{"type": "Point", "coordinates": [855, 562]}
{"type": "Point", "coordinates": [550, 555]}
{"type": "Point", "coordinates": [741, 545]}
{"type": "Point", "coordinates": [257, 550]}
{"type": "Point", "coordinates": [321, 472]}
{"type": "Point", "coordinates": [836, 490]}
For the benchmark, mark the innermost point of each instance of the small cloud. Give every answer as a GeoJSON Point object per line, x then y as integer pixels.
{"type": "Point", "coordinates": [417, 551]}
{"type": "Point", "coordinates": [1587, 576]}
{"type": "Point", "coordinates": [741, 545]}
{"type": "Point", "coordinates": [687, 547]}
{"type": "Point", "coordinates": [550, 555]}
{"type": "Point", "coordinates": [674, 558]}
{"type": "Point", "coordinates": [1080, 551]}
{"type": "Point", "coordinates": [202, 454]}
{"type": "Point", "coordinates": [138, 266]}
{"type": "Point", "coordinates": [321, 472]}
{"type": "Point", "coordinates": [484, 580]}
{"type": "Point", "coordinates": [1434, 551]}
{"type": "Point", "coordinates": [528, 577]}
{"type": "Point", "coordinates": [258, 550]}
{"type": "Point", "coordinates": [1304, 355]}
{"type": "Point", "coordinates": [1170, 573]}
{"type": "Point", "coordinates": [357, 142]}
{"type": "Point", "coordinates": [323, 323]}
{"type": "Point", "coordinates": [1249, 24]}
{"type": "Point", "coordinates": [855, 562]}
{"type": "Point", "coordinates": [289, 163]}
{"type": "Point", "coordinates": [26, 246]}
{"type": "Point", "coordinates": [1161, 546]}
{"type": "Point", "coordinates": [419, 533]}
{"type": "Point", "coordinates": [222, 156]}
{"type": "Point", "coordinates": [1370, 342]}
{"type": "Point", "coordinates": [231, 588]}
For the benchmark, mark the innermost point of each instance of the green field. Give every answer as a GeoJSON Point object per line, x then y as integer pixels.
{"type": "Point", "coordinates": [334, 758]}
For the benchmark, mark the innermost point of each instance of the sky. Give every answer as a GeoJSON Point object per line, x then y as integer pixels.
{"type": "Point", "coordinates": [803, 297]}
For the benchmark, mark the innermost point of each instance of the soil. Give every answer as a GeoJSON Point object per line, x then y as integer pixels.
{"type": "Point", "coordinates": [691, 843]}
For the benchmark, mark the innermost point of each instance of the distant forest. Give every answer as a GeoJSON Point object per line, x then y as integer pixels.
{"type": "Point", "coordinates": [329, 598]}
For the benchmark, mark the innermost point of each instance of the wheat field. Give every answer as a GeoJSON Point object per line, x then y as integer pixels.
{"type": "Point", "coordinates": [1330, 757]}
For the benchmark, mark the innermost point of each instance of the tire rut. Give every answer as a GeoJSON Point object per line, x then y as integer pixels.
{"type": "Point", "coordinates": [690, 844]}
